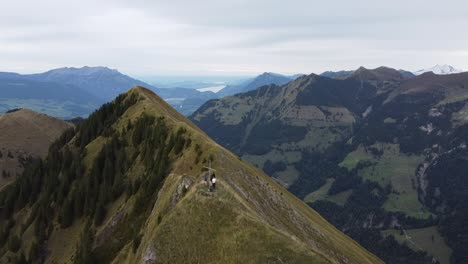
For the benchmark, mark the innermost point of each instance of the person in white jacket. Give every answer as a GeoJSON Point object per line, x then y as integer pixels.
{"type": "Point", "coordinates": [213, 182]}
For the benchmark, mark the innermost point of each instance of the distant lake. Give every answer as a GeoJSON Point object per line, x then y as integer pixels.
{"type": "Point", "coordinates": [213, 89]}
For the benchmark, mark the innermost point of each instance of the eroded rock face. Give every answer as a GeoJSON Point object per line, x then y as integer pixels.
{"type": "Point", "coordinates": [150, 256]}
{"type": "Point", "coordinates": [181, 189]}
{"type": "Point", "coordinates": [108, 231]}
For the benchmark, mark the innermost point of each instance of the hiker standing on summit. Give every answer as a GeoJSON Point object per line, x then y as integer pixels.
{"type": "Point", "coordinates": [213, 182]}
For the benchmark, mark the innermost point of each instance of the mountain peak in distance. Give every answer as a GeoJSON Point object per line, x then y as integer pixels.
{"type": "Point", "coordinates": [85, 70]}
{"type": "Point", "coordinates": [440, 70]}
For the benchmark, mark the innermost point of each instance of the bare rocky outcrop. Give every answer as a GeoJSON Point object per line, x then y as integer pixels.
{"type": "Point", "coordinates": [150, 256]}
{"type": "Point", "coordinates": [421, 178]}
{"type": "Point", "coordinates": [182, 188]}
{"type": "Point", "coordinates": [110, 228]}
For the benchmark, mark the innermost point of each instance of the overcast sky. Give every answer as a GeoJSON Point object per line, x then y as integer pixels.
{"type": "Point", "coordinates": [229, 37]}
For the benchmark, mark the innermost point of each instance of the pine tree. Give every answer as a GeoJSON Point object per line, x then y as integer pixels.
{"type": "Point", "coordinates": [34, 252]}
{"type": "Point", "coordinates": [85, 254]}
{"type": "Point", "coordinates": [14, 244]}
{"type": "Point", "coordinates": [66, 214]}
{"type": "Point", "coordinates": [40, 224]}
{"type": "Point", "coordinates": [136, 242]}
{"type": "Point", "coordinates": [79, 202]}
{"type": "Point", "coordinates": [100, 213]}
{"type": "Point", "coordinates": [21, 259]}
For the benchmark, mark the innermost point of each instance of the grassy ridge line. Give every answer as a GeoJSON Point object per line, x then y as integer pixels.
{"type": "Point", "coordinates": [303, 208]}
{"type": "Point", "coordinates": [334, 240]}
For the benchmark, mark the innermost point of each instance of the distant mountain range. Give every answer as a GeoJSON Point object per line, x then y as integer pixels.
{"type": "Point", "coordinates": [76, 92]}
{"type": "Point", "coordinates": [102, 82]}
{"type": "Point", "coordinates": [337, 74]}
{"type": "Point", "coordinates": [55, 99]}
{"type": "Point", "coordinates": [252, 84]}
{"type": "Point", "coordinates": [65, 92]}
{"type": "Point", "coordinates": [187, 100]}
{"type": "Point", "coordinates": [380, 153]}
{"type": "Point", "coordinates": [439, 69]}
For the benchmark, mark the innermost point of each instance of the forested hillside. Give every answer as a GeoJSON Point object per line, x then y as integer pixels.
{"type": "Point", "coordinates": [366, 150]}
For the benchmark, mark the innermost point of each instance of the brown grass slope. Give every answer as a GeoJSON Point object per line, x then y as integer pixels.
{"type": "Point", "coordinates": [25, 133]}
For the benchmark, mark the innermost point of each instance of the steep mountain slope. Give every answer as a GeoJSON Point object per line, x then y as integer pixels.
{"type": "Point", "coordinates": [421, 126]}
{"type": "Point", "coordinates": [265, 78]}
{"type": "Point", "coordinates": [126, 186]}
{"type": "Point", "coordinates": [308, 115]}
{"type": "Point", "coordinates": [362, 157]}
{"type": "Point", "coordinates": [25, 134]}
{"type": "Point", "coordinates": [439, 69]}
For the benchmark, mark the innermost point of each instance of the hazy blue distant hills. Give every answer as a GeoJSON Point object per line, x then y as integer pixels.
{"type": "Point", "coordinates": [407, 74]}
{"type": "Point", "coordinates": [55, 99]}
{"type": "Point", "coordinates": [345, 74]}
{"type": "Point", "coordinates": [102, 82]}
{"type": "Point", "coordinates": [188, 99]}
{"type": "Point", "coordinates": [27, 89]}
{"type": "Point", "coordinates": [267, 78]}
{"type": "Point", "coordinates": [261, 80]}
{"type": "Point", "coordinates": [76, 92]}
{"type": "Point", "coordinates": [295, 76]}
{"type": "Point", "coordinates": [65, 92]}
{"type": "Point", "coordinates": [10, 75]}
{"type": "Point", "coordinates": [178, 91]}
{"type": "Point", "coordinates": [337, 74]}
{"type": "Point", "coordinates": [191, 81]}
{"type": "Point", "coordinates": [185, 100]}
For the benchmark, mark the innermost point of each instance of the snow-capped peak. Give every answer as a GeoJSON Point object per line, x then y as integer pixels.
{"type": "Point", "coordinates": [439, 69]}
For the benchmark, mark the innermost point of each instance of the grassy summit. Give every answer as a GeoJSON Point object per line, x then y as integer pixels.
{"type": "Point", "coordinates": [25, 135]}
